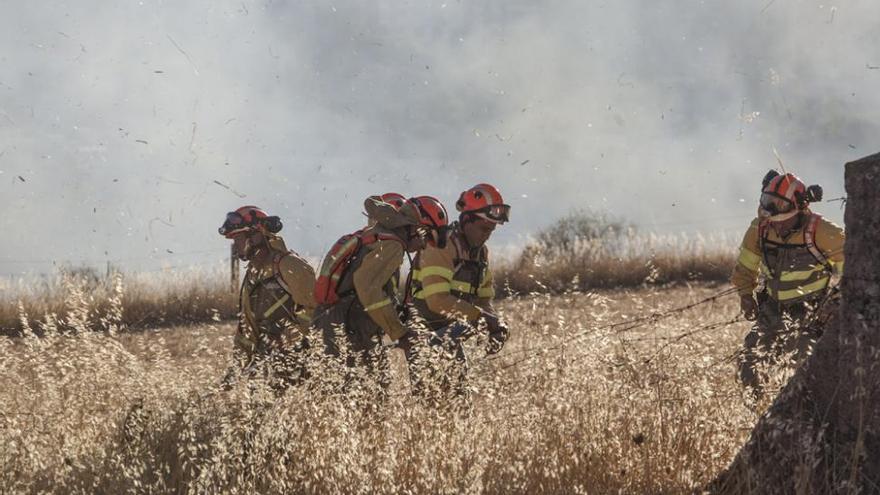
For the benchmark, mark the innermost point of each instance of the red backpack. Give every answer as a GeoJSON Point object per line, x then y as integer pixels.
{"type": "Point", "coordinates": [338, 260]}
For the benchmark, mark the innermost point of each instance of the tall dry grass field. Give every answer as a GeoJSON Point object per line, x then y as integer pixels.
{"type": "Point", "coordinates": [571, 405]}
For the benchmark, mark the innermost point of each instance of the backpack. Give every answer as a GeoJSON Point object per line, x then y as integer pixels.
{"type": "Point", "coordinates": [809, 239]}
{"type": "Point", "coordinates": [339, 259]}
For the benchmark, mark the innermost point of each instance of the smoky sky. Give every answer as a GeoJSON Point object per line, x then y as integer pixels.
{"type": "Point", "coordinates": [128, 129]}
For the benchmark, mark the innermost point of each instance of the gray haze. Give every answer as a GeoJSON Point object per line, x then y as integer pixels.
{"type": "Point", "coordinates": [117, 118]}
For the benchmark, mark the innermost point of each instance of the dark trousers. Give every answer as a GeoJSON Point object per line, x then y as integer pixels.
{"type": "Point", "coordinates": [354, 341]}
{"type": "Point", "coordinates": [438, 366]}
{"type": "Point", "coordinates": [281, 367]}
{"type": "Point", "coordinates": [782, 329]}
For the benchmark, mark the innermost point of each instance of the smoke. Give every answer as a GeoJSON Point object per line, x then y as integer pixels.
{"type": "Point", "coordinates": [127, 130]}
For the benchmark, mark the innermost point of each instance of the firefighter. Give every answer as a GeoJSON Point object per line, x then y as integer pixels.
{"type": "Point", "coordinates": [452, 292]}
{"type": "Point", "coordinates": [357, 288]}
{"type": "Point", "coordinates": [795, 252]}
{"type": "Point", "coordinates": [275, 303]}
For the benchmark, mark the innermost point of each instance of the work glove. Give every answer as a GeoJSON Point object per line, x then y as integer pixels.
{"type": "Point", "coordinates": [498, 333]}
{"type": "Point", "coordinates": [749, 307]}
{"type": "Point", "coordinates": [404, 312]}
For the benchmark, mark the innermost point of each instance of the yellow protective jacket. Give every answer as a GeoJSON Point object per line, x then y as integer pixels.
{"type": "Point", "coordinates": [276, 300]}
{"type": "Point", "coordinates": [375, 280]}
{"type": "Point", "coordinates": [453, 283]}
{"type": "Point", "coordinates": [793, 267]}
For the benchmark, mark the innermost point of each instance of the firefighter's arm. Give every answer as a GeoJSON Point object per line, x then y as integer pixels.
{"type": "Point", "coordinates": [377, 268]}
{"type": "Point", "coordinates": [436, 276]}
{"type": "Point", "coordinates": [299, 277]}
{"type": "Point", "coordinates": [745, 273]}
{"type": "Point", "coordinates": [830, 240]}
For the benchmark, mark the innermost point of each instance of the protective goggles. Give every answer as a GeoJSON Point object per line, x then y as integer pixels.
{"type": "Point", "coordinates": [494, 213]}
{"type": "Point", "coordinates": [776, 205]}
{"type": "Point", "coordinates": [234, 224]}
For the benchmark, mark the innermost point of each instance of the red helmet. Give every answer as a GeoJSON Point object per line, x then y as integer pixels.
{"type": "Point", "coordinates": [433, 219]}
{"type": "Point", "coordinates": [484, 201]}
{"type": "Point", "coordinates": [248, 218]}
{"type": "Point", "coordinates": [393, 198]}
{"type": "Point", "coordinates": [784, 194]}
{"type": "Point", "coordinates": [432, 213]}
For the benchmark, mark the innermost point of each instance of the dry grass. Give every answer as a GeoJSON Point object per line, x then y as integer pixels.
{"type": "Point", "coordinates": [551, 265]}
{"type": "Point", "coordinates": [623, 260]}
{"type": "Point", "coordinates": [147, 299]}
{"type": "Point", "coordinates": [569, 406]}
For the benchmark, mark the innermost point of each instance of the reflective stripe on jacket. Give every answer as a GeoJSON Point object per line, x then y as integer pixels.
{"type": "Point", "coordinates": [791, 269]}
{"type": "Point", "coordinates": [452, 283]}
{"type": "Point", "coordinates": [275, 303]}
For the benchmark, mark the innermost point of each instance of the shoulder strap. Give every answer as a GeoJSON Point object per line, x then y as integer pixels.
{"type": "Point", "coordinates": [276, 270]}
{"type": "Point", "coordinates": [762, 243]}
{"type": "Point", "coordinates": [810, 240]}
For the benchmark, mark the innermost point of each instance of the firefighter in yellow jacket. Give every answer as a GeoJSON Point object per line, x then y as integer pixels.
{"type": "Point", "coordinates": [795, 252]}
{"type": "Point", "coordinates": [357, 292]}
{"type": "Point", "coordinates": [275, 302]}
{"type": "Point", "coordinates": [452, 290]}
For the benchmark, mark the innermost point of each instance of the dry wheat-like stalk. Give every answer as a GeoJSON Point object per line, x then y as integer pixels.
{"type": "Point", "coordinates": [595, 409]}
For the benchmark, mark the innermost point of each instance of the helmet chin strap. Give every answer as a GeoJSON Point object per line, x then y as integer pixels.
{"type": "Point", "coordinates": [766, 216]}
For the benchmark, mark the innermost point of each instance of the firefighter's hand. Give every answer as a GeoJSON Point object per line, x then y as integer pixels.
{"type": "Point", "coordinates": [749, 307]}
{"type": "Point", "coordinates": [497, 338]}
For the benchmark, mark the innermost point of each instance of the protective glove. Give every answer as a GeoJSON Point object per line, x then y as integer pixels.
{"type": "Point", "coordinates": [498, 333]}
{"type": "Point", "coordinates": [749, 307]}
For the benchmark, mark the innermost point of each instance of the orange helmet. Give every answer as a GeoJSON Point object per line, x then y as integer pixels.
{"type": "Point", "coordinates": [393, 198]}
{"type": "Point", "coordinates": [483, 201]}
{"type": "Point", "coordinates": [783, 195]}
{"type": "Point", "coordinates": [433, 216]}
{"type": "Point", "coordinates": [246, 219]}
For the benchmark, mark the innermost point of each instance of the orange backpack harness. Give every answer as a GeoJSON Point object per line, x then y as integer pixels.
{"type": "Point", "coordinates": [338, 261]}
{"type": "Point", "coordinates": [809, 241]}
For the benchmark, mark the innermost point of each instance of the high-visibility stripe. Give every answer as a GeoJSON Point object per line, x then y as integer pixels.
{"type": "Point", "coordinates": [838, 267]}
{"type": "Point", "coordinates": [461, 286]}
{"type": "Point", "coordinates": [785, 295]}
{"type": "Point", "coordinates": [275, 306]}
{"type": "Point", "coordinates": [304, 316]}
{"type": "Point", "coordinates": [430, 290]}
{"type": "Point", "coordinates": [796, 276]}
{"type": "Point", "coordinates": [438, 271]}
{"type": "Point", "coordinates": [749, 260]}
{"type": "Point", "coordinates": [486, 292]}
{"type": "Point", "coordinates": [380, 304]}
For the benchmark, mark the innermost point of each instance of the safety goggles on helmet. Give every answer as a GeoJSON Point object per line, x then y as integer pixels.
{"type": "Point", "coordinates": [776, 205]}
{"type": "Point", "coordinates": [234, 224]}
{"type": "Point", "coordinates": [494, 213]}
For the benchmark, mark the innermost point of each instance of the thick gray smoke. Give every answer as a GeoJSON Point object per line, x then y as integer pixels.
{"type": "Point", "coordinates": [128, 129]}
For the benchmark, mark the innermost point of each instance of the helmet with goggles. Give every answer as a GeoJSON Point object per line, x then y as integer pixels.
{"type": "Point", "coordinates": [248, 218]}
{"type": "Point", "coordinates": [783, 195]}
{"type": "Point", "coordinates": [483, 201]}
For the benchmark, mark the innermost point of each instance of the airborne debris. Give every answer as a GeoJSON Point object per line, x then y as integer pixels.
{"type": "Point", "coordinates": [195, 69]}
{"type": "Point", "coordinates": [224, 186]}
{"type": "Point", "coordinates": [21, 178]}
{"type": "Point", "coordinates": [524, 162]}
{"type": "Point", "coordinates": [872, 67]}
{"type": "Point", "coordinates": [141, 141]}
